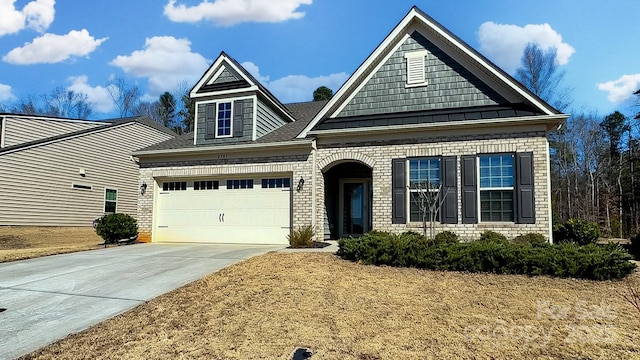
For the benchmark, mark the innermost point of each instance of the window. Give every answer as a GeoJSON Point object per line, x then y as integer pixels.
{"type": "Point", "coordinates": [110, 200]}
{"type": "Point", "coordinates": [174, 186]}
{"type": "Point", "coordinates": [240, 184]}
{"type": "Point", "coordinates": [496, 187]}
{"type": "Point", "coordinates": [276, 183]}
{"type": "Point", "coordinates": [223, 124]}
{"type": "Point", "coordinates": [416, 68]}
{"type": "Point", "coordinates": [206, 185]}
{"type": "Point", "coordinates": [424, 186]}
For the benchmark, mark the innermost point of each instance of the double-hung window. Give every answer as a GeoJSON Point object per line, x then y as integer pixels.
{"type": "Point", "coordinates": [110, 201]}
{"type": "Point", "coordinates": [223, 120]}
{"type": "Point", "coordinates": [424, 189]}
{"type": "Point", "coordinates": [496, 187]}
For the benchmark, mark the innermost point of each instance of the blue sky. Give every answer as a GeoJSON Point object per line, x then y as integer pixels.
{"type": "Point", "coordinates": [294, 46]}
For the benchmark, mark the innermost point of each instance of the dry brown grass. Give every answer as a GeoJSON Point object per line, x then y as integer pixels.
{"type": "Point", "coordinates": [24, 242]}
{"type": "Point", "coordinates": [267, 306]}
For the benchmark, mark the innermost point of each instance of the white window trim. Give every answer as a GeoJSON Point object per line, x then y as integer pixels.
{"type": "Point", "coordinates": [413, 56]}
{"type": "Point", "coordinates": [104, 203]}
{"type": "Point", "coordinates": [218, 136]}
{"type": "Point", "coordinates": [480, 189]}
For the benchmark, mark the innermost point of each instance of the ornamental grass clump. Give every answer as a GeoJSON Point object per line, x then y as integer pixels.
{"type": "Point", "coordinates": [302, 237]}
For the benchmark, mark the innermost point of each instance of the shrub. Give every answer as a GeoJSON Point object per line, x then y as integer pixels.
{"type": "Point", "coordinates": [593, 261]}
{"type": "Point", "coordinates": [446, 237]}
{"type": "Point", "coordinates": [302, 237]}
{"type": "Point", "coordinates": [113, 227]}
{"type": "Point", "coordinates": [533, 239]}
{"type": "Point", "coordinates": [577, 231]}
{"type": "Point", "coordinates": [494, 237]}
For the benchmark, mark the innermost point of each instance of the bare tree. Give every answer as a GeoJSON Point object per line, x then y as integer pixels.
{"type": "Point", "coordinates": [124, 95]}
{"type": "Point", "coordinates": [540, 74]}
{"type": "Point", "coordinates": [427, 197]}
{"type": "Point", "coordinates": [67, 103]}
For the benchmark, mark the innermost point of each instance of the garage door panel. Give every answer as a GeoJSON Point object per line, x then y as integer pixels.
{"type": "Point", "coordinates": [223, 215]}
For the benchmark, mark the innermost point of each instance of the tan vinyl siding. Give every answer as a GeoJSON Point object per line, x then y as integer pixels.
{"type": "Point", "coordinates": [22, 130]}
{"type": "Point", "coordinates": [37, 182]}
{"type": "Point", "coordinates": [267, 120]}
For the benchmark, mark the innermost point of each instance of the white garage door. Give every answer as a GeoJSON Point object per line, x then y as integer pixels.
{"type": "Point", "coordinates": [248, 210]}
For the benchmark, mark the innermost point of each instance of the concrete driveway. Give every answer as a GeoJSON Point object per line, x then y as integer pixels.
{"type": "Point", "coordinates": [48, 298]}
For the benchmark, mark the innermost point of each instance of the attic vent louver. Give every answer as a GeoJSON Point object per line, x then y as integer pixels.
{"type": "Point", "coordinates": [416, 68]}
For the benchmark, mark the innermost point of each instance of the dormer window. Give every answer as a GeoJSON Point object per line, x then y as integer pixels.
{"type": "Point", "coordinates": [223, 120]}
{"type": "Point", "coordinates": [416, 74]}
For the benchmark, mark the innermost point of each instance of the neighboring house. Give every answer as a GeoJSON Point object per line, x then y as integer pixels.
{"type": "Point", "coordinates": [423, 107]}
{"type": "Point", "coordinates": [65, 172]}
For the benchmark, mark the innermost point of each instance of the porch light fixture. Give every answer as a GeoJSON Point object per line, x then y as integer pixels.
{"type": "Point", "coordinates": [143, 188]}
{"type": "Point", "coordinates": [300, 184]}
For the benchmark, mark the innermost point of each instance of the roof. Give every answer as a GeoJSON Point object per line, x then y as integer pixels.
{"type": "Point", "coordinates": [109, 123]}
{"type": "Point", "coordinates": [303, 112]}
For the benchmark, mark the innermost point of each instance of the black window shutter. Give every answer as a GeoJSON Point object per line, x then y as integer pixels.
{"type": "Point", "coordinates": [449, 191]}
{"type": "Point", "coordinates": [525, 202]}
{"type": "Point", "coordinates": [399, 191]}
{"type": "Point", "coordinates": [210, 121]}
{"type": "Point", "coordinates": [238, 117]}
{"type": "Point", "coordinates": [469, 190]}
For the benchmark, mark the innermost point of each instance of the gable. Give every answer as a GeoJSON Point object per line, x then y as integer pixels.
{"type": "Point", "coordinates": [458, 84]}
{"type": "Point", "coordinates": [223, 78]}
{"type": "Point", "coordinates": [448, 84]}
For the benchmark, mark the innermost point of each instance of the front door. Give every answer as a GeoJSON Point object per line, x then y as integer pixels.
{"type": "Point", "coordinates": [355, 213]}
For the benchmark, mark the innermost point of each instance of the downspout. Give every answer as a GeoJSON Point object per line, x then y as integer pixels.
{"type": "Point", "coordinates": [314, 156]}
{"type": "Point", "coordinates": [3, 125]}
{"type": "Point", "coordinates": [549, 207]}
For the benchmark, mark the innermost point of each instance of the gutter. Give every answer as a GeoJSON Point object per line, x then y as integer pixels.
{"type": "Point", "coordinates": [292, 144]}
{"type": "Point", "coordinates": [554, 120]}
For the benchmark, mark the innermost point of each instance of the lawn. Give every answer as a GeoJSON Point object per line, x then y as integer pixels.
{"type": "Point", "coordinates": [24, 242]}
{"type": "Point", "coordinates": [267, 306]}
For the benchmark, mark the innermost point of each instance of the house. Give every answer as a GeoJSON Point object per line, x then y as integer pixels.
{"type": "Point", "coordinates": [423, 108]}
{"type": "Point", "coordinates": [67, 172]}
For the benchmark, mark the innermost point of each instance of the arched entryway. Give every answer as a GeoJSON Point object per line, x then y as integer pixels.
{"type": "Point", "coordinates": [348, 199]}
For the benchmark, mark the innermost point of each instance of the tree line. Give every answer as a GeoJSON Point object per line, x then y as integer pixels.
{"type": "Point", "coordinates": [174, 110]}
{"type": "Point", "coordinates": [595, 159]}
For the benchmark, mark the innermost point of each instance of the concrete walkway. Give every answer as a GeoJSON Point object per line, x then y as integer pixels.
{"type": "Point", "coordinates": [48, 298]}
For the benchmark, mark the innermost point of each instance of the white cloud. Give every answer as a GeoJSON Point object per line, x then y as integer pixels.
{"type": "Point", "coordinates": [621, 89]}
{"type": "Point", "coordinates": [296, 88]}
{"type": "Point", "coordinates": [52, 48]}
{"type": "Point", "coordinates": [165, 61]}
{"type": "Point", "coordinates": [98, 96]}
{"type": "Point", "coordinates": [6, 94]}
{"type": "Point", "coordinates": [231, 12]}
{"type": "Point", "coordinates": [37, 15]}
{"type": "Point", "coordinates": [504, 43]}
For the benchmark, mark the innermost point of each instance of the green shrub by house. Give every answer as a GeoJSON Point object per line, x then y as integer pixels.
{"type": "Point", "coordinates": [598, 262]}
{"type": "Point", "coordinates": [446, 237]}
{"type": "Point", "coordinates": [302, 237]}
{"type": "Point", "coordinates": [577, 231]}
{"type": "Point", "coordinates": [533, 239]}
{"type": "Point", "coordinates": [113, 227]}
{"type": "Point", "coordinates": [494, 237]}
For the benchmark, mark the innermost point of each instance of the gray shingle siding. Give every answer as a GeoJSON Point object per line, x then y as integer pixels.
{"type": "Point", "coordinates": [449, 85]}
{"type": "Point", "coordinates": [247, 133]}
{"type": "Point", "coordinates": [226, 76]}
{"type": "Point", "coordinates": [267, 120]}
